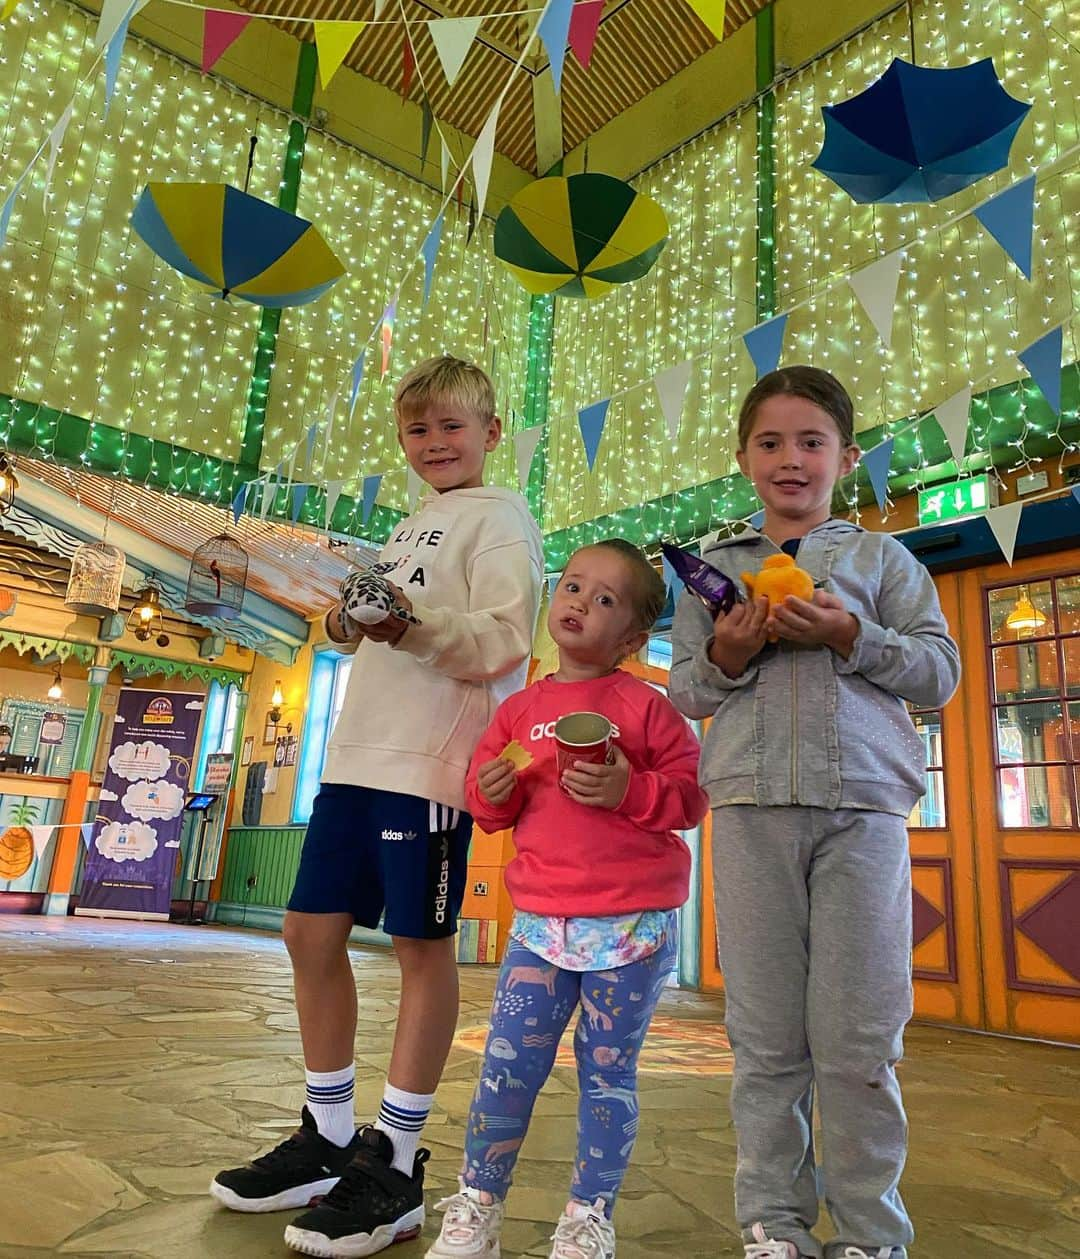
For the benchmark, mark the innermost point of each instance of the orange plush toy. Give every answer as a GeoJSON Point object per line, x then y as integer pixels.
{"type": "Point", "coordinates": [779, 577]}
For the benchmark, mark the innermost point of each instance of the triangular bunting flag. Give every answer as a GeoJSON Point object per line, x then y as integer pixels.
{"type": "Point", "coordinates": [453, 37]}
{"type": "Point", "coordinates": [8, 206]}
{"type": "Point", "coordinates": [333, 493]}
{"type": "Point", "coordinates": [430, 250]}
{"type": "Point", "coordinates": [312, 438]}
{"type": "Point", "coordinates": [525, 444]}
{"type": "Point", "coordinates": [87, 832]}
{"type": "Point", "coordinates": [386, 335]}
{"type": "Point", "coordinates": [757, 519]}
{"type": "Point", "coordinates": [671, 390]}
{"type": "Point", "coordinates": [56, 139]}
{"type": "Point", "coordinates": [413, 488]}
{"type": "Point", "coordinates": [299, 493]}
{"type": "Point", "coordinates": [952, 417]}
{"type": "Point", "coordinates": [764, 344]}
{"type": "Point", "coordinates": [269, 493]}
{"type": "Point", "coordinates": [370, 492]}
{"type": "Point", "coordinates": [221, 29]}
{"type": "Point", "coordinates": [672, 581]}
{"type": "Point", "coordinates": [1043, 360]}
{"type": "Point", "coordinates": [1010, 219]}
{"type": "Point", "coordinates": [1004, 523]}
{"type": "Point", "coordinates": [357, 377]}
{"type": "Point", "coordinates": [40, 836]}
{"type": "Point", "coordinates": [1076, 494]}
{"type": "Point", "coordinates": [876, 462]}
{"type": "Point", "coordinates": [427, 118]}
{"type": "Point", "coordinates": [240, 501]}
{"type": "Point", "coordinates": [113, 13]}
{"type": "Point", "coordinates": [711, 13]}
{"type": "Point", "coordinates": [554, 29]}
{"type": "Point", "coordinates": [584, 27]}
{"type": "Point", "coordinates": [408, 64]}
{"type": "Point", "coordinates": [875, 286]}
{"type": "Point", "coordinates": [333, 41]}
{"type": "Point", "coordinates": [444, 162]}
{"type": "Point", "coordinates": [482, 157]}
{"type": "Point", "coordinates": [380, 7]}
{"type": "Point", "coordinates": [591, 421]}
{"type": "Point", "coordinates": [113, 53]}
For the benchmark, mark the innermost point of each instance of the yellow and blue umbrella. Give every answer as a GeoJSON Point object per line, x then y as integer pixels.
{"type": "Point", "coordinates": [577, 236]}
{"type": "Point", "coordinates": [236, 245]}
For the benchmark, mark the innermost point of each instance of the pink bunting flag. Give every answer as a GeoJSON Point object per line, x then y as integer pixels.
{"type": "Point", "coordinates": [584, 27]}
{"type": "Point", "coordinates": [221, 29]}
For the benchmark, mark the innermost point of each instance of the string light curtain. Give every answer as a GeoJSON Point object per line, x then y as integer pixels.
{"type": "Point", "coordinates": [701, 288]}
{"type": "Point", "coordinates": [378, 219]}
{"type": "Point", "coordinates": [963, 309]}
{"type": "Point", "coordinates": [93, 323]}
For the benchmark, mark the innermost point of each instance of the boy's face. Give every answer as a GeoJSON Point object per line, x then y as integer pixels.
{"type": "Point", "coordinates": [794, 457]}
{"type": "Point", "coordinates": [446, 445]}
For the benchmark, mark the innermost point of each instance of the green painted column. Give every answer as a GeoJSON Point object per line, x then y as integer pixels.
{"type": "Point", "coordinates": [765, 36]}
{"type": "Point", "coordinates": [266, 342]}
{"type": "Point", "coordinates": [84, 749]}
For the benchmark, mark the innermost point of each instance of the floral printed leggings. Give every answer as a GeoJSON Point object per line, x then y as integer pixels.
{"type": "Point", "coordinates": [534, 1002]}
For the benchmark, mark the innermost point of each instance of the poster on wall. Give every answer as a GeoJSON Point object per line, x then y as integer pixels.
{"type": "Point", "coordinates": [53, 726]}
{"type": "Point", "coordinates": [132, 854]}
{"type": "Point", "coordinates": [218, 773]}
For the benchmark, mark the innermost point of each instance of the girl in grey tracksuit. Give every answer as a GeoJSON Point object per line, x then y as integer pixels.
{"type": "Point", "coordinates": [812, 766]}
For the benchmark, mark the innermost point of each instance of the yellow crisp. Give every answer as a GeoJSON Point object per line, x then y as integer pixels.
{"type": "Point", "coordinates": [516, 754]}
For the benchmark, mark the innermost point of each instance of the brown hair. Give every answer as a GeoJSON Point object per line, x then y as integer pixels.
{"type": "Point", "coordinates": [812, 383]}
{"type": "Point", "coordinates": [650, 593]}
{"type": "Point", "coordinates": [445, 379]}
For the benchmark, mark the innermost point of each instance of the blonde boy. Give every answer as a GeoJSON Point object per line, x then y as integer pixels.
{"type": "Point", "coordinates": [388, 835]}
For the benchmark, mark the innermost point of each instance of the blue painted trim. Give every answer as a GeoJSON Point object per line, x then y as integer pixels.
{"type": "Point", "coordinates": [1052, 525]}
{"type": "Point", "coordinates": [56, 904]}
{"type": "Point", "coordinates": [314, 733]}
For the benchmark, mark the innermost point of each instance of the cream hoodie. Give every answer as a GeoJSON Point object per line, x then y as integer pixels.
{"type": "Point", "coordinates": [471, 562]}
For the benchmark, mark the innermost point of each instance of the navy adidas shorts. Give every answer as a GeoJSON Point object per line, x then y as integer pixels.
{"type": "Point", "coordinates": [367, 851]}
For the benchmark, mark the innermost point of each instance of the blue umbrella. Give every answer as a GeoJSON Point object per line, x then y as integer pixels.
{"type": "Point", "coordinates": [920, 134]}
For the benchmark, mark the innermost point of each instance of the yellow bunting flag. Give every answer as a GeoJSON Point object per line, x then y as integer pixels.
{"type": "Point", "coordinates": [9, 9]}
{"type": "Point", "coordinates": [333, 41]}
{"type": "Point", "coordinates": [711, 13]}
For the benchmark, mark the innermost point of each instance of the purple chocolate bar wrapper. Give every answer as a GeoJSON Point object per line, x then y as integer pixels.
{"type": "Point", "coordinates": [700, 578]}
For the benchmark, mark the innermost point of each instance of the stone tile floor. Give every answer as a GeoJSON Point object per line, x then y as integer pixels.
{"type": "Point", "coordinates": [136, 1060]}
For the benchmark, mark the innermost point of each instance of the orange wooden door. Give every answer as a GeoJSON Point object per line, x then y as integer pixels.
{"type": "Point", "coordinates": [1021, 697]}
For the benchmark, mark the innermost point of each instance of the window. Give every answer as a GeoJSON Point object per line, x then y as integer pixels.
{"type": "Point", "coordinates": [329, 678]}
{"type": "Point", "coordinates": [1034, 647]}
{"type": "Point", "coordinates": [219, 725]}
{"type": "Point", "coordinates": [930, 810]}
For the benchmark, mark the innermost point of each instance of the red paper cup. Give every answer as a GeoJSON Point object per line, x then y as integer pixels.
{"type": "Point", "coordinates": [581, 737]}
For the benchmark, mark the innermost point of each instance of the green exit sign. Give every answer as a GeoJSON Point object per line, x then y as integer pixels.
{"type": "Point", "coordinates": [970, 497]}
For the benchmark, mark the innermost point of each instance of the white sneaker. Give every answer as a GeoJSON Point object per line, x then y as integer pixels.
{"type": "Point", "coordinates": [763, 1247]}
{"type": "Point", "coordinates": [584, 1232]}
{"type": "Point", "coordinates": [857, 1252]}
{"type": "Point", "coordinates": [470, 1230]}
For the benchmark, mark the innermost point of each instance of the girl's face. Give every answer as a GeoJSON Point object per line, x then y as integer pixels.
{"type": "Point", "coordinates": [794, 457]}
{"type": "Point", "coordinates": [592, 613]}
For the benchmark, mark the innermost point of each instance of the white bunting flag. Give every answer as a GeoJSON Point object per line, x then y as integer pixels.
{"type": "Point", "coordinates": [453, 37]}
{"type": "Point", "coordinates": [671, 390]}
{"type": "Point", "coordinates": [483, 154]}
{"type": "Point", "coordinates": [525, 444]}
{"type": "Point", "coordinates": [952, 417]}
{"type": "Point", "coordinates": [875, 286]}
{"type": "Point", "coordinates": [1004, 522]}
{"type": "Point", "coordinates": [41, 836]}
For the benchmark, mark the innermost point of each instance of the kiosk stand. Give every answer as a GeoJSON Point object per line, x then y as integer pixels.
{"type": "Point", "coordinates": [202, 805]}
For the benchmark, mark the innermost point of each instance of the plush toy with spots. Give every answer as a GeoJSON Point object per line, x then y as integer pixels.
{"type": "Point", "coordinates": [367, 598]}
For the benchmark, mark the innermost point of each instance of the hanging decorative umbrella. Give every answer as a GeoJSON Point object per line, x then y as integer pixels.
{"type": "Point", "coordinates": [236, 245]}
{"type": "Point", "coordinates": [920, 134]}
{"type": "Point", "coordinates": [577, 236]}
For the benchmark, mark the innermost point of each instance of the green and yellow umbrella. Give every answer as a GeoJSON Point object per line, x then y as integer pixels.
{"type": "Point", "coordinates": [236, 245]}
{"type": "Point", "coordinates": [579, 235]}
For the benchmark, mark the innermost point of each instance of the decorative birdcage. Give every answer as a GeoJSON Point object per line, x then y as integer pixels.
{"type": "Point", "coordinates": [97, 573]}
{"type": "Point", "coordinates": [217, 578]}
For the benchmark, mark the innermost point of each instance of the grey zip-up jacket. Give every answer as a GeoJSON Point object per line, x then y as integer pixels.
{"type": "Point", "coordinates": [802, 725]}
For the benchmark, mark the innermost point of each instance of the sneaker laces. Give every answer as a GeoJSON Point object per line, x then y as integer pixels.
{"type": "Point", "coordinates": [581, 1238]}
{"type": "Point", "coordinates": [290, 1145]}
{"type": "Point", "coordinates": [464, 1217]}
{"type": "Point", "coordinates": [857, 1252]}
{"type": "Point", "coordinates": [770, 1250]}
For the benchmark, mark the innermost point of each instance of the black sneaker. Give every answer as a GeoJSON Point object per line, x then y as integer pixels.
{"type": "Point", "coordinates": [371, 1207]}
{"type": "Point", "coordinates": [292, 1175]}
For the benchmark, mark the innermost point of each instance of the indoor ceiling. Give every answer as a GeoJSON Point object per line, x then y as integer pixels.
{"type": "Point", "coordinates": [293, 568]}
{"type": "Point", "coordinates": [641, 44]}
